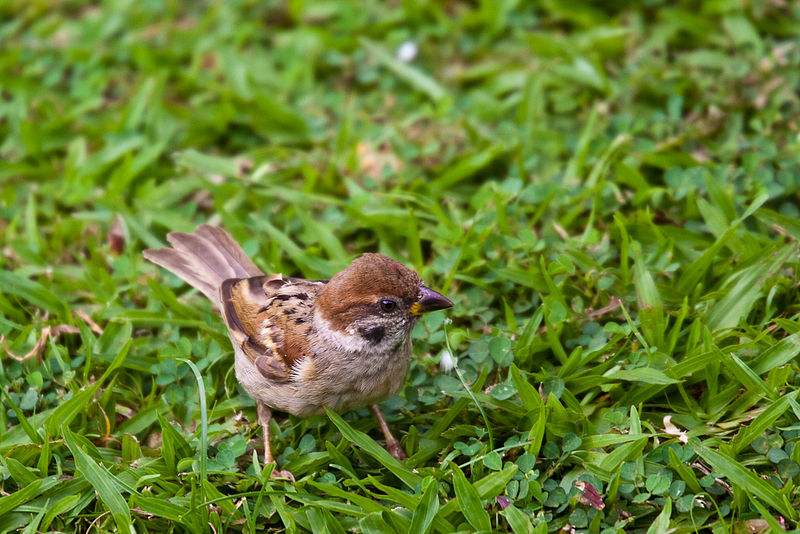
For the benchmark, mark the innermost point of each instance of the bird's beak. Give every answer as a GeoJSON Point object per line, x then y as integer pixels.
{"type": "Point", "coordinates": [428, 301]}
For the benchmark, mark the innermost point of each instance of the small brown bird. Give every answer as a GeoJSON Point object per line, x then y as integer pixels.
{"type": "Point", "coordinates": [301, 345]}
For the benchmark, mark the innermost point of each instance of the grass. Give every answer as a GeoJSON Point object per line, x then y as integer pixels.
{"type": "Point", "coordinates": [607, 191]}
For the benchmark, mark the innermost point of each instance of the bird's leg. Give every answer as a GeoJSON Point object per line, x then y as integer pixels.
{"type": "Point", "coordinates": [392, 445]}
{"type": "Point", "coordinates": [264, 417]}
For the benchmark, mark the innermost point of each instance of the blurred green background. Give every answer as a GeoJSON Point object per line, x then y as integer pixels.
{"type": "Point", "coordinates": [608, 191]}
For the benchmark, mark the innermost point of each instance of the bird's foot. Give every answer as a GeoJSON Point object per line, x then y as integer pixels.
{"type": "Point", "coordinates": [396, 451]}
{"type": "Point", "coordinates": [282, 474]}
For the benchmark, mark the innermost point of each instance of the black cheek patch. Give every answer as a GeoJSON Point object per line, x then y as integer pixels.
{"type": "Point", "coordinates": [373, 334]}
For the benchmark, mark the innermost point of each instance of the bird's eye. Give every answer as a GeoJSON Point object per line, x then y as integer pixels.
{"type": "Point", "coordinates": [387, 305]}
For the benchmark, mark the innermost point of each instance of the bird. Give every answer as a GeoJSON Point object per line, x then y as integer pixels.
{"type": "Point", "coordinates": [302, 345]}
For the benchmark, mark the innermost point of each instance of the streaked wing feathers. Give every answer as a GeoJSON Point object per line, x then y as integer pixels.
{"type": "Point", "coordinates": [258, 311]}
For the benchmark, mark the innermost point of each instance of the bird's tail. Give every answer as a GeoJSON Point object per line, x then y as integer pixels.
{"type": "Point", "coordinates": [204, 259]}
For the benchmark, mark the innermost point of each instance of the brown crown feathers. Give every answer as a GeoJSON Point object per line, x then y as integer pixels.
{"type": "Point", "coordinates": [357, 289]}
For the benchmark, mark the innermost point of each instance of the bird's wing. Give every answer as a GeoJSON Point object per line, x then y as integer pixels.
{"type": "Point", "coordinates": [205, 258]}
{"type": "Point", "coordinates": [269, 318]}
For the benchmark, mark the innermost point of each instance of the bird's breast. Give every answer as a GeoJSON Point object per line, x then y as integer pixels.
{"type": "Point", "coordinates": [339, 380]}
{"type": "Point", "coordinates": [351, 381]}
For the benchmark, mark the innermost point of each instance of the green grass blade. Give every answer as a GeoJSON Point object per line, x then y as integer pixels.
{"type": "Point", "coordinates": [790, 225]}
{"type": "Point", "coordinates": [412, 76]}
{"type": "Point", "coordinates": [661, 524]}
{"type": "Point", "coordinates": [648, 375]}
{"type": "Point", "coordinates": [62, 506]}
{"type": "Point", "coordinates": [744, 375]}
{"type": "Point", "coordinates": [524, 345]}
{"type": "Point", "coordinates": [31, 291]}
{"type": "Point", "coordinates": [517, 520]}
{"type": "Point", "coordinates": [23, 421]}
{"type": "Point", "coordinates": [528, 394]}
{"type": "Point", "coordinates": [365, 503]}
{"type": "Point", "coordinates": [173, 445]}
{"type": "Point", "coordinates": [696, 270]}
{"type": "Point", "coordinates": [686, 474]}
{"type": "Point", "coordinates": [101, 480]}
{"type": "Point", "coordinates": [10, 502]}
{"type": "Point", "coordinates": [737, 303]}
{"type": "Point", "coordinates": [66, 411]}
{"type": "Point", "coordinates": [781, 353]}
{"type": "Point", "coordinates": [470, 501]}
{"type": "Point", "coordinates": [626, 451]}
{"type": "Point", "coordinates": [746, 479]}
{"type": "Point", "coordinates": [774, 526]}
{"type": "Point", "coordinates": [651, 307]}
{"type": "Point", "coordinates": [373, 449]}
{"type": "Point", "coordinates": [426, 509]}
{"type": "Point", "coordinates": [488, 487]}
{"type": "Point", "coordinates": [21, 474]}
{"type": "Point", "coordinates": [762, 422]}
{"type": "Point", "coordinates": [203, 427]}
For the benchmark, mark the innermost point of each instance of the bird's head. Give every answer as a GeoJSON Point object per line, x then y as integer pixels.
{"type": "Point", "coordinates": [377, 301]}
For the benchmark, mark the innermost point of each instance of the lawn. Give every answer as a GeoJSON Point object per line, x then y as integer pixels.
{"type": "Point", "coordinates": [607, 191]}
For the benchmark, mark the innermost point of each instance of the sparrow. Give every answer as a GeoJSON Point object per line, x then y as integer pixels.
{"type": "Point", "coordinates": [303, 345]}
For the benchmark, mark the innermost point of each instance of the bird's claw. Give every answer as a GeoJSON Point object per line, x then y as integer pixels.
{"type": "Point", "coordinates": [396, 451]}
{"type": "Point", "coordinates": [282, 474]}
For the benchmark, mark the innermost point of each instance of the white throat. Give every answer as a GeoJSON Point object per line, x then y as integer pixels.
{"type": "Point", "coordinates": [349, 340]}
